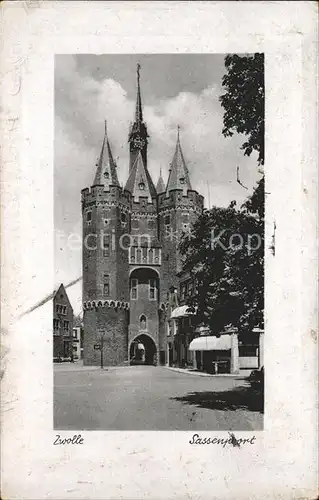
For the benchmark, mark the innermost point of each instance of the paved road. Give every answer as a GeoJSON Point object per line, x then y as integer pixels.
{"type": "Point", "coordinates": [151, 398]}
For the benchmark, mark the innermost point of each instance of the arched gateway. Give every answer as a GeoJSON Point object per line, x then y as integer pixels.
{"type": "Point", "coordinates": [143, 350]}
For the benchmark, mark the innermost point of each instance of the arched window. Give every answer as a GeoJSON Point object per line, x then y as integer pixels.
{"type": "Point", "coordinates": [139, 255]}
{"type": "Point", "coordinates": [143, 322]}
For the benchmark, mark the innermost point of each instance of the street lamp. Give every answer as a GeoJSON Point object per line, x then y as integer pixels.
{"type": "Point", "coordinates": [101, 348]}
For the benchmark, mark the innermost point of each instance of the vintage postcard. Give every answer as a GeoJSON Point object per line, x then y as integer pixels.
{"type": "Point", "coordinates": [159, 251]}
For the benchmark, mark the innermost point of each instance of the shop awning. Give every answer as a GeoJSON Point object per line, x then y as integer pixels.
{"type": "Point", "coordinates": [180, 312]}
{"type": "Point", "coordinates": [211, 343]}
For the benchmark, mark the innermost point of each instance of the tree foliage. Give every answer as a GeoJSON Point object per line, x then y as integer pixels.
{"type": "Point", "coordinates": [225, 257]}
{"type": "Point", "coordinates": [244, 101]}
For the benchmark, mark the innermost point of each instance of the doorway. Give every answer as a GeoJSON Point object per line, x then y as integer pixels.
{"type": "Point", "coordinates": [143, 351]}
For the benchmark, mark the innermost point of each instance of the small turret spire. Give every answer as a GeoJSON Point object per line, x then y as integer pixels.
{"type": "Point", "coordinates": [178, 172]}
{"type": "Point", "coordinates": [138, 136]}
{"type": "Point", "coordinates": [140, 182]}
{"type": "Point", "coordinates": [160, 186]}
{"type": "Point", "coordinates": [106, 174]}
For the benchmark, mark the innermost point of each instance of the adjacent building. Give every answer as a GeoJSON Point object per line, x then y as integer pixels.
{"type": "Point", "coordinates": [77, 343]}
{"type": "Point", "coordinates": [62, 325]}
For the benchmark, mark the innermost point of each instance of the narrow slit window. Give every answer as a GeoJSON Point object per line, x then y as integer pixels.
{"type": "Point", "coordinates": [134, 284]}
{"type": "Point", "coordinates": [152, 289]}
{"type": "Point", "coordinates": [106, 285]}
{"type": "Point", "coordinates": [106, 246]}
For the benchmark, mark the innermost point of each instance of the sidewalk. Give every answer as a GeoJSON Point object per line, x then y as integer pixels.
{"type": "Point", "coordinates": [192, 371]}
{"type": "Point", "coordinates": [78, 366]}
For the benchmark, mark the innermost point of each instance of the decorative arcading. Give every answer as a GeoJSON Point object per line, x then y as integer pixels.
{"type": "Point", "coordinates": [114, 304]}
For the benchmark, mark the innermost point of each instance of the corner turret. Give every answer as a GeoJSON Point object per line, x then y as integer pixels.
{"type": "Point", "coordinates": [106, 174]}
{"type": "Point", "coordinates": [178, 175]}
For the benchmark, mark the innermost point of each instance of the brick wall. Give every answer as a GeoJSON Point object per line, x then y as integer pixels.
{"type": "Point", "coordinates": [114, 325]}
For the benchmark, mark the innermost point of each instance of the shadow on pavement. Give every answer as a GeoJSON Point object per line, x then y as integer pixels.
{"type": "Point", "coordinates": [239, 398]}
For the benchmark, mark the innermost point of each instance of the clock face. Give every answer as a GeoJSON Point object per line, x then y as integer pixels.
{"type": "Point", "coordinates": [139, 143]}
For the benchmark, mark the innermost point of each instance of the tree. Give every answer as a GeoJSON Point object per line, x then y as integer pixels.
{"type": "Point", "coordinates": [244, 101]}
{"type": "Point", "coordinates": [225, 256]}
{"type": "Point", "coordinates": [225, 259]}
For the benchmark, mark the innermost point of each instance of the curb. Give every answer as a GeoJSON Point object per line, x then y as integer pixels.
{"type": "Point", "coordinates": [202, 374]}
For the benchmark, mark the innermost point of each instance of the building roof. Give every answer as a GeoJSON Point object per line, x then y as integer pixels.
{"type": "Point", "coordinates": [61, 291]}
{"type": "Point", "coordinates": [181, 312]}
{"type": "Point", "coordinates": [140, 182]}
{"type": "Point", "coordinates": [106, 174]}
{"type": "Point", "coordinates": [178, 175]}
{"type": "Point", "coordinates": [211, 343]}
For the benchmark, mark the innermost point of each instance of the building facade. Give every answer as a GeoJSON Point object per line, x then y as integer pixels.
{"type": "Point", "coordinates": [62, 325]}
{"type": "Point", "coordinates": [77, 343]}
{"type": "Point", "coordinates": [131, 260]}
{"type": "Point", "coordinates": [191, 345]}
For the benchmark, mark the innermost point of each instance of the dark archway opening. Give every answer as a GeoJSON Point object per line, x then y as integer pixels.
{"type": "Point", "coordinates": [143, 351]}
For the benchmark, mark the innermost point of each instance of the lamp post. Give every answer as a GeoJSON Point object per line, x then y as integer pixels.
{"type": "Point", "coordinates": [101, 349]}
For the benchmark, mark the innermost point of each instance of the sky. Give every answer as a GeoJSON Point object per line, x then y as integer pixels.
{"type": "Point", "coordinates": [177, 89]}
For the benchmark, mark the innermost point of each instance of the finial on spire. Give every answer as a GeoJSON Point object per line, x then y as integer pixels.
{"type": "Point", "coordinates": [178, 129]}
{"type": "Point", "coordinates": [105, 128]}
{"type": "Point", "coordinates": [138, 67]}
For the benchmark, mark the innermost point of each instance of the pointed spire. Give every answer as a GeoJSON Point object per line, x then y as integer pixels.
{"type": "Point", "coordinates": [106, 174]}
{"type": "Point", "coordinates": [138, 109]}
{"type": "Point", "coordinates": [178, 173]}
{"type": "Point", "coordinates": [140, 182]}
{"type": "Point", "coordinates": [160, 186]}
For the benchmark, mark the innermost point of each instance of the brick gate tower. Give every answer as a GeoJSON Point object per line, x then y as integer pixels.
{"type": "Point", "coordinates": [130, 250]}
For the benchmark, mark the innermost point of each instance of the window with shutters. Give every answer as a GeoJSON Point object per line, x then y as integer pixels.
{"type": "Point", "coordinates": [152, 289]}
{"type": "Point", "coordinates": [183, 291]}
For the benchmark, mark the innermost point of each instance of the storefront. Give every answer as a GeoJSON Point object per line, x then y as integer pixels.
{"type": "Point", "coordinates": [228, 353]}
{"type": "Point", "coordinates": [181, 333]}
{"type": "Point", "coordinates": [216, 355]}
{"type": "Point", "coordinates": [193, 346]}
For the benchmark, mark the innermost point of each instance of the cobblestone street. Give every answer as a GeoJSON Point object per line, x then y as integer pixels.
{"type": "Point", "coordinates": [151, 398]}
